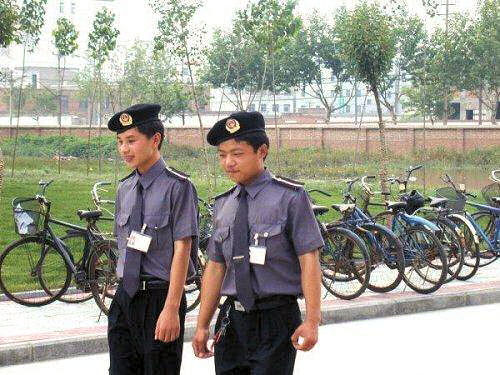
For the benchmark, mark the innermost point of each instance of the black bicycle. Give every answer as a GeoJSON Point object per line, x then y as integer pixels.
{"type": "Point", "coordinates": [39, 268]}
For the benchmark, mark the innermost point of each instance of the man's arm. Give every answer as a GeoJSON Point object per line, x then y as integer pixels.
{"type": "Point", "coordinates": [213, 277]}
{"type": "Point", "coordinates": [311, 286]}
{"type": "Point", "coordinates": [168, 324]}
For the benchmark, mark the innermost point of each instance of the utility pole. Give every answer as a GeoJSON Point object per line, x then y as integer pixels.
{"type": "Point", "coordinates": [447, 5]}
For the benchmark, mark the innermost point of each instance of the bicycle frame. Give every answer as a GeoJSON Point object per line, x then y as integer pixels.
{"type": "Point", "coordinates": [494, 244]}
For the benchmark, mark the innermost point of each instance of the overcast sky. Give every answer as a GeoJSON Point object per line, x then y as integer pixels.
{"type": "Point", "coordinates": [219, 13]}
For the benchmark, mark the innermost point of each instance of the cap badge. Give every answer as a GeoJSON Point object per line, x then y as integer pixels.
{"type": "Point", "coordinates": [232, 126]}
{"type": "Point", "coordinates": [125, 119]}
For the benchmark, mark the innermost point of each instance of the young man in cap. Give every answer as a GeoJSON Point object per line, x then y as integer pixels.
{"type": "Point", "coordinates": [156, 228]}
{"type": "Point", "coordinates": [263, 255]}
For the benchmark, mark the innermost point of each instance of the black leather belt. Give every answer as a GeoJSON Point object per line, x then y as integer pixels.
{"type": "Point", "coordinates": [151, 283]}
{"type": "Point", "coordinates": [265, 303]}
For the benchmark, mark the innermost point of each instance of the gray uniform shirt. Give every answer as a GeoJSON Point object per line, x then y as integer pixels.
{"type": "Point", "coordinates": [283, 211]}
{"type": "Point", "coordinates": [170, 211]}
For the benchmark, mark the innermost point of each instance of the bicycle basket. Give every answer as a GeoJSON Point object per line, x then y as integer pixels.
{"type": "Point", "coordinates": [26, 212]}
{"type": "Point", "coordinates": [456, 201]}
{"type": "Point", "coordinates": [490, 191]}
{"type": "Point", "coordinates": [414, 201]}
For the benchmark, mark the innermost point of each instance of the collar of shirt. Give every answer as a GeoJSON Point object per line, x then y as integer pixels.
{"type": "Point", "coordinates": [147, 178]}
{"type": "Point", "coordinates": [257, 185]}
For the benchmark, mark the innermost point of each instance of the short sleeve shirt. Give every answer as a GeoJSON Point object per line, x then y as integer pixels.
{"type": "Point", "coordinates": [281, 214]}
{"type": "Point", "coordinates": [170, 212]}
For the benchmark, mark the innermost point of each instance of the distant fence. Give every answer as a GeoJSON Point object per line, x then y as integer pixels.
{"type": "Point", "coordinates": [400, 138]}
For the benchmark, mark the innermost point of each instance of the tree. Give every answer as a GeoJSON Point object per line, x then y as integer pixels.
{"type": "Point", "coordinates": [31, 20]}
{"type": "Point", "coordinates": [477, 43]}
{"type": "Point", "coordinates": [410, 35]}
{"type": "Point", "coordinates": [314, 52]}
{"type": "Point", "coordinates": [178, 35]}
{"type": "Point", "coordinates": [65, 41]}
{"type": "Point", "coordinates": [367, 42]}
{"type": "Point", "coordinates": [425, 100]}
{"type": "Point", "coordinates": [102, 40]}
{"type": "Point", "coordinates": [234, 61]}
{"type": "Point", "coordinates": [9, 23]}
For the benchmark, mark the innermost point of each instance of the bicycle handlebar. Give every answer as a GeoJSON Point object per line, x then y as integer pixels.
{"type": "Point", "coordinates": [365, 185]}
{"type": "Point", "coordinates": [319, 191]}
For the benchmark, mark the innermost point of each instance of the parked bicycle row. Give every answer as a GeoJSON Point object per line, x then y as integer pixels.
{"type": "Point", "coordinates": [378, 242]}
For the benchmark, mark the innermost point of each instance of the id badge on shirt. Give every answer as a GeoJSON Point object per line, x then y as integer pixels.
{"type": "Point", "coordinates": [139, 240]}
{"type": "Point", "coordinates": [257, 252]}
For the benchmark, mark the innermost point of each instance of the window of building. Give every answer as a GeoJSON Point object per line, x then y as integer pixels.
{"type": "Point", "coordinates": [84, 105]}
{"type": "Point", "coordinates": [73, 7]}
{"type": "Point", "coordinates": [61, 6]}
{"type": "Point", "coordinates": [368, 102]}
{"type": "Point", "coordinates": [263, 108]}
{"type": "Point", "coordinates": [64, 104]}
{"type": "Point", "coordinates": [358, 92]}
{"type": "Point", "coordinates": [286, 108]}
{"type": "Point", "coordinates": [34, 80]}
{"type": "Point", "coordinates": [348, 109]}
{"type": "Point", "coordinates": [276, 107]}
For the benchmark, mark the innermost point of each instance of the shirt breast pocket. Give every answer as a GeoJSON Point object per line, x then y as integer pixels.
{"type": "Point", "coordinates": [222, 241]}
{"type": "Point", "coordinates": [159, 229]}
{"type": "Point", "coordinates": [122, 229]}
{"type": "Point", "coordinates": [272, 236]}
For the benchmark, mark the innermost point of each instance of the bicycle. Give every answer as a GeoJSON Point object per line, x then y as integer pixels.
{"type": "Point", "coordinates": [42, 260]}
{"type": "Point", "coordinates": [450, 236]}
{"type": "Point", "coordinates": [425, 264]}
{"type": "Point", "coordinates": [344, 260]}
{"type": "Point", "coordinates": [483, 226]}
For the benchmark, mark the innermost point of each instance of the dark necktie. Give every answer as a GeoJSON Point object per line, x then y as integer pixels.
{"type": "Point", "coordinates": [133, 257]}
{"type": "Point", "coordinates": [241, 255]}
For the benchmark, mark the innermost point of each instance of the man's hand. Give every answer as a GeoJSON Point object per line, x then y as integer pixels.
{"type": "Point", "coordinates": [309, 332]}
{"type": "Point", "coordinates": [168, 326]}
{"type": "Point", "coordinates": [200, 344]}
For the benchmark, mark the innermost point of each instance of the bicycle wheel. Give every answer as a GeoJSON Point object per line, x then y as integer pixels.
{"type": "Point", "coordinates": [386, 257]}
{"type": "Point", "coordinates": [345, 263]}
{"type": "Point", "coordinates": [425, 260]}
{"type": "Point", "coordinates": [471, 249]}
{"type": "Point", "coordinates": [21, 274]}
{"type": "Point", "coordinates": [452, 245]}
{"type": "Point", "coordinates": [78, 291]}
{"type": "Point", "coordinates": [486, 222]}
{"type": "Point", "coordinates": [193, 285]}
{"type": "Point", "coordinates": [102, 273]}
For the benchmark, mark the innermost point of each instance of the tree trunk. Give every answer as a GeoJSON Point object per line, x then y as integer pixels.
{"type": "Point", "coordinates": [392, 110]}
{"type": "Point", "coordinates": [383, 145]}
{"type": "Point", "coordinates": [100, 121]}
{"type": "Point", "coordinates": [494, 110]}
{"type": "Point", "coordinates": [445, 112]}
{"type": "Point", "coordinates": [2, 169]}
{"type": "Point", "coordinates": [20, 98]}
{"type": "Point", "coordinates": [396, 110]}
{"type": "Point", "coordinates": [328, 113]}
{"type": "Point", "coordinates": [10, 99]}
{"type": "Point", "coordinates": [480, 98]}
{"type": "Point", "coordinates": [59, 115]}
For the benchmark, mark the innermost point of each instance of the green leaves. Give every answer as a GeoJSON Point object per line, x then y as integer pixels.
{"type": "Point", "coordinates": [367, 42]}
{"type": "Point", "coordinates": [102, 38]}
{"type": "Point", "coordinates": [65, 37]}
{"type": "Point", "coordinates": [31, 20]}
{"type": "Point", "coordinates": [9, 23]}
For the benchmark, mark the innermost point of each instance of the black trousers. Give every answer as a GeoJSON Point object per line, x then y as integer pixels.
{"type": "Point", "coordinates": [257, 342]}
{"type": "Point", "coordinates": [131, 329]}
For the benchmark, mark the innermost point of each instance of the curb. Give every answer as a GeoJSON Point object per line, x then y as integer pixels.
{"type": "Point", "coordinates": [332, 312]}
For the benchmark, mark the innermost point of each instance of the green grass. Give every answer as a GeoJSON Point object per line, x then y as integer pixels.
{"type": "Point", "coordinates": [321, 169]}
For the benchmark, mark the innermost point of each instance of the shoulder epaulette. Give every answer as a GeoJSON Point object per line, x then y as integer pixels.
{"type": "Point", "coordinates": [288, 182]}
{"type": "Point", "coordinates": [128, 176]}
{"type": "Point", "coordinates": [174, 172]}
{"type": "Point", "coordinates": [225, 193]}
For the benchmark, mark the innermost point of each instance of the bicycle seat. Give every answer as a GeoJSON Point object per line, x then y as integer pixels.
{"type": "Point", "coordinates": [319, 210]}
{"type": "Point", "coordinates": [396, 205]}
{"type": "Point", "coordinates": [88, 214]}
{"type": "Point", "coordinates": [438, 202]}
{"type": "Point", "coordinates": [343, 207]}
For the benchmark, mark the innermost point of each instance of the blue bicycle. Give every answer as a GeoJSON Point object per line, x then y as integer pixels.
{"type": "Point", "coordinates": [425, 263]}
{"type": "Point", "coordinates": [484, 225]}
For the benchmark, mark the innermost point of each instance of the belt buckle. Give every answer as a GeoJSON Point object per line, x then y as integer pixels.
{"type": "Point", "coordinates": [143, 285]}
{"type": "Point", "coordinates": [238, 306]}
